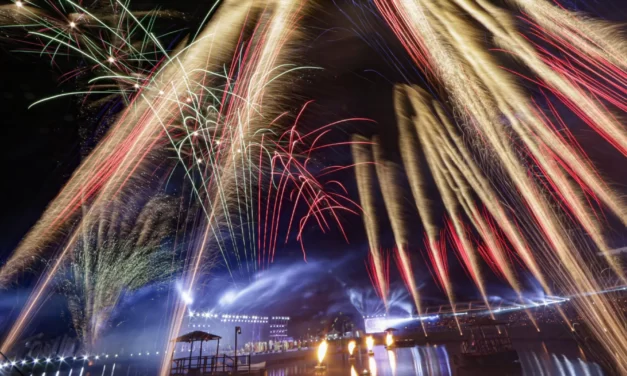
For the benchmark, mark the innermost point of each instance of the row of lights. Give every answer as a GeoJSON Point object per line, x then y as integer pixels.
{"type": "Point", "coordinates": [230, 316]}
{"type": "Point", "coordinates": [373, 316]}
{"type": "Point", "coordinates": [242, 320]}
{"type": "Point", "coordinates": [84, 358]}
{"type": "Point", "coordinates": [280, 318]}
{"type": "Point", "coordinates": [87, 357]}
{"type": "Point", "coordinates": [203, 314]}
{"type": "Point", "coordinates": [60, 359]}
{"type": "Point", "coordinates": [148, 353]}
{"type": "Point", "coordinates": [63, 359]}
{"type": "Point", "coordinates": [244, 317]}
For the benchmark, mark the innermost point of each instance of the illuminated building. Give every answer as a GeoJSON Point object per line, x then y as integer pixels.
{"type": "Point", "coordinates": [255, 328]}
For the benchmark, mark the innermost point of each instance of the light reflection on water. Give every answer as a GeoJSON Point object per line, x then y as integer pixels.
{"type": "Point", "coordinates": [435, 361]}
{"type": "Point", "coordinates": [559, 365]}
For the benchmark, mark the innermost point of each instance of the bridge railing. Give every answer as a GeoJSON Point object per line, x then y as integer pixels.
{"type": "Point", "coordinates": [210, 364]}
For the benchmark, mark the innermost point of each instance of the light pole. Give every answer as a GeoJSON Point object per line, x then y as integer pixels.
{"type": "Point", "coordinates": [238, 330]}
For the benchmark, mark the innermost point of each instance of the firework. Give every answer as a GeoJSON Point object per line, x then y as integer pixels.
{"type": "Point", "coordinates": [504, 163]}
{"type": "Point", "coordinates": [94, 39]}
{"type": "Point", "coordinates": [228, 142]}
{"type": "Point", "coordinates": [458, 197]}
{"type": "Point", "coordinates": [322, 197]}
{"type": "Point", "coordinates": [119, 162]}
{"type": "Point", "coordinates": [362, 157]}
{"type": "Point", "coordinates": [447, 42]}
{"type": "Point", "coordinates": [105, 263]}
{"type": "Point", "coordinates": [113, 51]}
{"type": "Point", "coordinates": [392, 195]}
{"type": "Point", "coordinates": [238, 124]}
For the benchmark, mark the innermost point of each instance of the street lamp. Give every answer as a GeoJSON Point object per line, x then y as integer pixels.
{"type": "Point", "coordinates": [238, 330]}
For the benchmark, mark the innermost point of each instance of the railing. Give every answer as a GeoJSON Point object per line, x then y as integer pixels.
{"type": "Point", "coordinates": [210, 364]}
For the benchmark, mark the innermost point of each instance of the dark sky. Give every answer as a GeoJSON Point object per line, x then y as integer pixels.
{"type": "Point", "coordinates": [41, 146]}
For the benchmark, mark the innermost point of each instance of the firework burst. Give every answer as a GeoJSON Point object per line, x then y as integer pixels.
{"type": "Point", "coordinates": [475, 111]}
{"type": "Point", "coordinates": [125, 249]}
{"type": "Point", "coordinates": [201, 114]}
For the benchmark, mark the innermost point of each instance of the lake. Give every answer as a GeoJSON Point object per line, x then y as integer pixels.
{"type": "Point", "coordinates": [536, 358]}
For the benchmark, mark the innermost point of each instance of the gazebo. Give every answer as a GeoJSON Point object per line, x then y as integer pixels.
{"type": "Point", "coordinates": [200, 365]}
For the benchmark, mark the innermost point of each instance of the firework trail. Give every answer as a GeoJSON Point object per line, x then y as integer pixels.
{"type": "Point", "coordinates": [471, 62]}
{"type": "Point", "coordinates": [407, 123]}
{"type": "Point", "coordinates": [293, 157]}
{"type": "Point", "coordinates": [114, 164]}
{"type": "Point", "coordinates": [239, 114]}
{"type": "Point", "coordinates": [228, 139]}
{"type": "Point", "coordinates": [121, 158]}
{"type": "Point", "coordinates": [417, 169]}
{"type": "Point", "coordinates": [443, 154]}
{"type": "Point", "coordinates": [569, 91]}
{"type": "Point", "coordinates": [363, 158]}
{"type": "Point", "coordinates": [214, 121]}
{"type": "Point", "coordinates": [379, 273]}
{"type": "Point", "coordinates": [443, 176]}
{"type": "Point", "coordinates": [446, 42]}
{"type": "Point", "coordinates": [393, 198]}
{"type": "Point", "coordinates": [459, 155]}
{"type": "Point", "coordinates": [114, 57]}
{"type": "Point", "coordinates": [106, 264]}
{"type": "Point", "coordinates": [415, 166]}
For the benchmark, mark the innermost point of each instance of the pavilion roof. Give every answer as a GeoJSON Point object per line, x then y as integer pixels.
{"type": "Point", "coordinates": [197, 336]}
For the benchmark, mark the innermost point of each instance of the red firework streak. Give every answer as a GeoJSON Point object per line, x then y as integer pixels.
{"type": "Point", "coordinates": [408, 278]}
{"type": "Point", "coordinates": [374, 279]}
{"type": "Point", "coordinates": [594, 75]}
{"type": "Point", "coordinates": [290, 178]}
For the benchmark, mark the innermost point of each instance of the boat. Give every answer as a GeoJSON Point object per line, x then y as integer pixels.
{"type": "Point", "coordinates": [487, 349]}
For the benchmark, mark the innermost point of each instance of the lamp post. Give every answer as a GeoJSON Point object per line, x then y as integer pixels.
{"type": "Point", "coordinates": [238, 330]}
